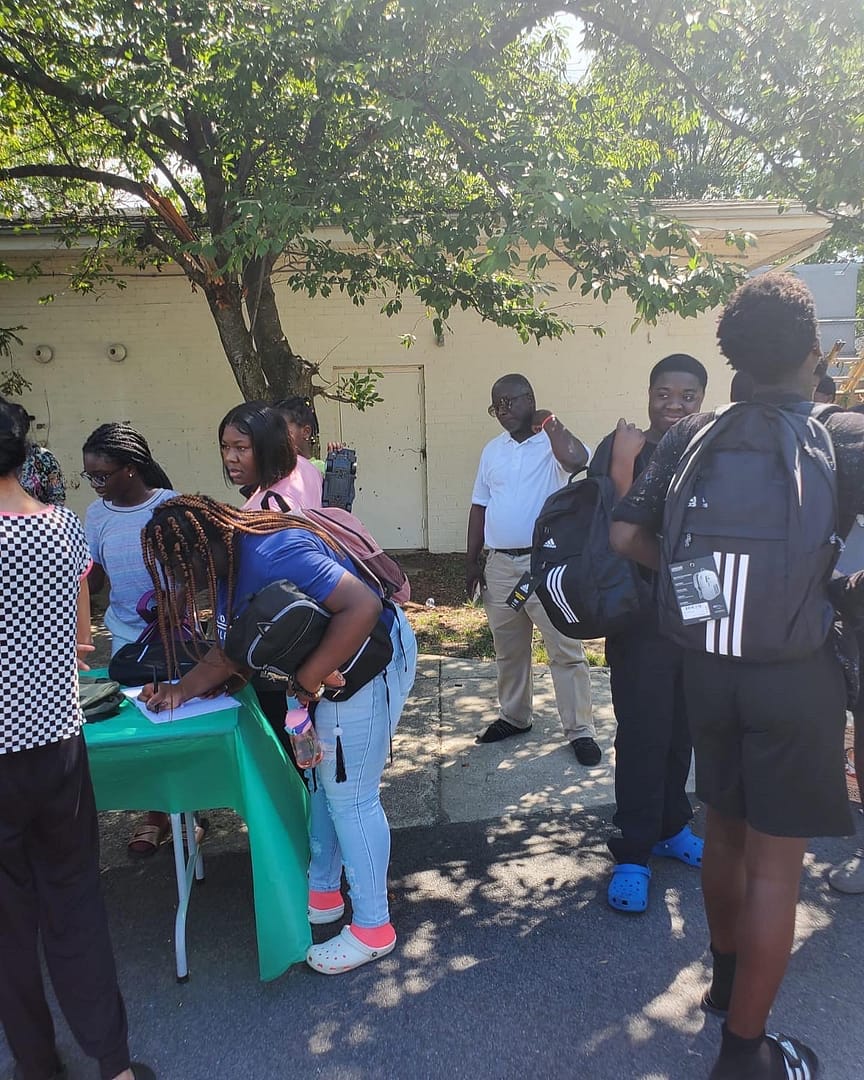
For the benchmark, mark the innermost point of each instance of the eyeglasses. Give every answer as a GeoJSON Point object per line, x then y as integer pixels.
{"type": "Point", "coordinates": [504, 404]}
{"type": "Point", "coordinates": [99, 479]}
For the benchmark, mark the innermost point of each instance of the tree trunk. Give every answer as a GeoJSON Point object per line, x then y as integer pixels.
{"type": "Point", "coordinates": [226, 307]}
{"type": "Point", "coordinates": [287, 373]}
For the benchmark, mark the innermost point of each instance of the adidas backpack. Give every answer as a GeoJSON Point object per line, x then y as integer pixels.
{"type": "Point", "coordinates": [750, 535]}
{"type": "Point", "coordinates": [587, 589]}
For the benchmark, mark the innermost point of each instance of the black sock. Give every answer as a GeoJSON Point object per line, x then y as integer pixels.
{"type": "Point", "coordinates": [736, 1046]}
{"type": "Point", "coordinates": [748, 1059]}
{"type": "Point", "coordinates": [723, 976]}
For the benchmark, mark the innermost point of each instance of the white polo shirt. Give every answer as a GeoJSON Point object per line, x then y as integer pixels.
{"type": "Point", "coordinates": [513, 481]}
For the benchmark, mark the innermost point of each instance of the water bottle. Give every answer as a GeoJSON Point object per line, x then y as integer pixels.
{"type": "Point", "coordinates": [304, 741]}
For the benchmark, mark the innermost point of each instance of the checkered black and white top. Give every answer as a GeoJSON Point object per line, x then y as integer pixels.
{"type": "Point", "coordinates": [42, 560]}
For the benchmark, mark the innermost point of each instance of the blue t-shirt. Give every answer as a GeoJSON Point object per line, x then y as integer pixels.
{"type": "Point", "coordinates": [294, 555]}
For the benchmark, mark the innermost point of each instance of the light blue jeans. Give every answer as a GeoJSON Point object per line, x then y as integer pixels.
{"type": "Point", "coordinates": [348, 826]}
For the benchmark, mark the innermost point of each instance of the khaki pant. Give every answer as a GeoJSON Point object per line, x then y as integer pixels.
{"type": "Point", "coordinates": [511, 633]}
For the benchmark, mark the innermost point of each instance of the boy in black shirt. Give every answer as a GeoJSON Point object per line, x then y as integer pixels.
{"type": "Point", "coordinates": [652, 742]}
{"type": "Point", "coordinates": [768, 737]}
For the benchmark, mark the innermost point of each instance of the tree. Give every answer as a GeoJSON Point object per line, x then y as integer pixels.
{"type": "Point", "coordinates": [441, 138]}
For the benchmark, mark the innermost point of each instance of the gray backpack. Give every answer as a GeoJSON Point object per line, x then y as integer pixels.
{"type": "Point", "coordinates": [750, 535]}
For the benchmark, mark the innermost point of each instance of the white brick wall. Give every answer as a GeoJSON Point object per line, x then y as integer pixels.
{"type": "Point", "coordinates": [175, 384]}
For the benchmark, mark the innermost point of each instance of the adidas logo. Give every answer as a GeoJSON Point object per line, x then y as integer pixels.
{"type": "Point", "coordinates": [550, 543]}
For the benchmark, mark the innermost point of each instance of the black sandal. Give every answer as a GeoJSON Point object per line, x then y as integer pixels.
{"type": "Point", "coordinates": [800, 1061]}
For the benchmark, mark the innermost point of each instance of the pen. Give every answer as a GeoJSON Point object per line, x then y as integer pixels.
{"type": "Point", "coordinates": [155, 686]}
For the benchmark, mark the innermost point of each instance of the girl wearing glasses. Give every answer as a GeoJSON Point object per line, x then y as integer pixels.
{"type": "Point", "coordinates": [130, 485]}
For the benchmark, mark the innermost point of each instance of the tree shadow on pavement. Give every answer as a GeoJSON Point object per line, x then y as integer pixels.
{"type": "Point", "coordinates": [509, 965]}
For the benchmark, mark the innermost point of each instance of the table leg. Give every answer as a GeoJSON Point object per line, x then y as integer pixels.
{"type": "Point", "coordinates": [186, 871]}
{"type": "Point", "coordinates": [192, 845]}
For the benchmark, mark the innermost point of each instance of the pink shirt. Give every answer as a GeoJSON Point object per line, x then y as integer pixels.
{"type": "Point", "coordinates": [300, 489]}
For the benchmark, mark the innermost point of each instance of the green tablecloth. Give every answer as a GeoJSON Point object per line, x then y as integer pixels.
{"type": "Point", "coordinates": [232, 759]}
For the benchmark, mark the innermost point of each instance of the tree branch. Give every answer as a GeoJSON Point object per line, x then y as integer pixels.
{"type": "Point", "coordinates": [76, 172]}
{"type": "Point", "coordinates": [658, 59]}
{"type": "Point", "coordinates": [184, 196]}
{"type": "Point", "coordinates": [37, 79]}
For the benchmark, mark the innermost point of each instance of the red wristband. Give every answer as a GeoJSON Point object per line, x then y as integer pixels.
{"type": "Point", "coordinates": [551, 416]}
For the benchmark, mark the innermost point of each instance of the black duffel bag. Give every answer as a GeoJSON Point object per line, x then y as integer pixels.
{"type": "Point", "coordinates": [279, 626]}
{"type": "Point", "coordinates": [149, 660]}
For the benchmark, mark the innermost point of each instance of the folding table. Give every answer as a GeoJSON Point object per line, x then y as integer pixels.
{"type": "Point", "coordinates": [230, 758]}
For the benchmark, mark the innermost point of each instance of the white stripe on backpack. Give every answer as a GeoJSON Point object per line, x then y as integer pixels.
{"type": "Point", "coordinates": [733, 571]}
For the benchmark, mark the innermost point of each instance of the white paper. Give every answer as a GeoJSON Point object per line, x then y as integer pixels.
{"type": "Point", "coordinates": [193, 707]}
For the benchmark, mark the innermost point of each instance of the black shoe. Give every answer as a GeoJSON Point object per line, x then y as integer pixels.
{"type": "Point", "coordinates": [501, 729]}
{"type": "Point", "coordinates": [587, 751]}
{"type": "Point", "coordinates": [141, 1071]}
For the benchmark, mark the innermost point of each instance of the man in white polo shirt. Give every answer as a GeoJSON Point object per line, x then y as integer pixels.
{"type": "Point", "coordinates": [534, 456]}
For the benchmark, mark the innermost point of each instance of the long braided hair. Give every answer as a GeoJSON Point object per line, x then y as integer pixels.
{"type": "Point", "coordinates": [190, 545]}
{"type": "Point", "coordinates": [123, 444]}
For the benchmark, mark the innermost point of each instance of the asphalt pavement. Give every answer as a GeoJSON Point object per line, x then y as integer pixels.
{"type": "Point", "coordinates": [509, 962]}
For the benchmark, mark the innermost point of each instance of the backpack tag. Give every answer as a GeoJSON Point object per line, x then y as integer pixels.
{"type": "Point", "coordinates": [698, 591]}
{"type": "Point", "coordinates": [524, 588]}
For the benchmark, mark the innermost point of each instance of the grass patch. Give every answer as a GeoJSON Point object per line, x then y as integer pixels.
{"type": "Point", "coordinates": [455, 627]}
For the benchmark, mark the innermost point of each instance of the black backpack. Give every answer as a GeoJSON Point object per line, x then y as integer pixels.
{"type": "Point", "coordinates": [279, 626]}
{"type": "Point", "coordinates": [585, 587]}
{"type": "Point", "coordinates": [750, 535]}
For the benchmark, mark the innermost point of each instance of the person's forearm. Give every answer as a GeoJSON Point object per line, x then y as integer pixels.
{"type": "Point", "coordinates": [84, 629]}
{"type": "Point", "coordinates": [570, 452]}
{"type": "Point", "coordinates": [211, 671]}
{"type": "Point", "coordinates": [636, 543]}
{"type": "Point", "coordinates": [621, 475]}
{"type": "Point", "coordinates": [476, 531]}
{"type": "Point", "coordinates": [345, 633]}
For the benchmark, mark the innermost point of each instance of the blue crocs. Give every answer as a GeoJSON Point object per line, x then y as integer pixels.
{"type": "Point", "coordinates": [628, 889]}
{"type": "Point", "coordinates": [684, 846]}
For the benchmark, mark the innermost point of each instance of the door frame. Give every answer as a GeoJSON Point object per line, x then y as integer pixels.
{"type": "Point", "coordinates": [386, 369]}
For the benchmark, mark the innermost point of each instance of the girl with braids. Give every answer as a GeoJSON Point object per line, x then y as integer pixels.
{"type": "Point", "coordinates": [193, 544]}
{"type": "Point", "coordinates": [302, 421]}
{"type": "Point", "coordinates": [130, 485]}
{"type": "Point", "coordinates": [258, 453]}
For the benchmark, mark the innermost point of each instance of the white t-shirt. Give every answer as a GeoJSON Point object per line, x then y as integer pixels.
{"type": "Point", "coordinates": [513, 481]}
{"type": "Point", "coordinates": [114, 536]}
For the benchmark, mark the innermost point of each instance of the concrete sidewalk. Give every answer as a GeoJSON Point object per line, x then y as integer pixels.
{"type": "Point", "coordinates": [510, 963]}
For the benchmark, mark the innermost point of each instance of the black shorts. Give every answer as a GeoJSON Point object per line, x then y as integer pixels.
{"type": "Point", "coordinates": [768, 740]}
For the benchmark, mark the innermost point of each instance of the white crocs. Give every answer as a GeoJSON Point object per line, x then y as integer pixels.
{"type": "Point", "coordinates": [344, 953]}
{"type": "Point", "coordinates": [848, 877]}
{"type": "Point", "coordinates": [318, 916]}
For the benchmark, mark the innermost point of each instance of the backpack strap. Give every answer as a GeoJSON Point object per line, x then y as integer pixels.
{"type": "Point", "coordinates": [274, 497]}
{"type": "Point", "coordinates": [362, 569]}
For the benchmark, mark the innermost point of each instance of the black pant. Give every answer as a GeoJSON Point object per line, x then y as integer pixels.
{"type": "Point", "coordinates": [49, 887]}
{"type": "Point", "coordinates": [652, 743]}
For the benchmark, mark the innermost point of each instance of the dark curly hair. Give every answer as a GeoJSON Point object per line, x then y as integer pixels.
{"type": "Point", "coordinates": [13, 437]}
{"type": "Point", "coordinates": [768, 327]}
